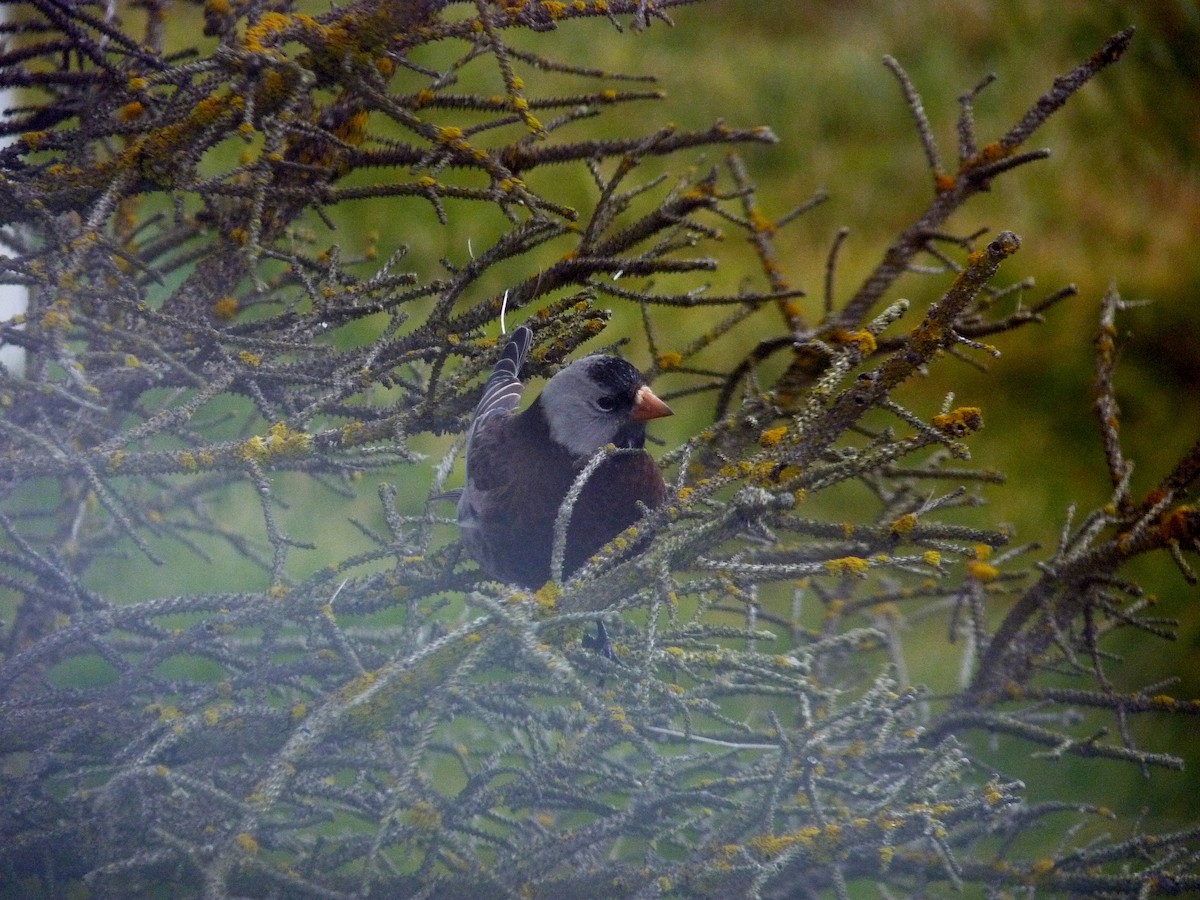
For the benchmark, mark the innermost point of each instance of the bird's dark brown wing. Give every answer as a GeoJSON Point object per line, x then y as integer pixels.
{"type": "Point", "coordinates": [502, 392]}
{"type": "Point", "coordinates": [516, 479]}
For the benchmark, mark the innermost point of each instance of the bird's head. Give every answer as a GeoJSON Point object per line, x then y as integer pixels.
{"type": "Point", "coordinates": [599, 400]}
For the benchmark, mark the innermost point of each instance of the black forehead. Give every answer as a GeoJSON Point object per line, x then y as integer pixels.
{"type": "Point", "coordinates": [615, 375]}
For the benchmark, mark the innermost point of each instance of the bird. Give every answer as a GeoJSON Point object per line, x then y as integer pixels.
{"type": "Point", "coordinates": [521, 465]}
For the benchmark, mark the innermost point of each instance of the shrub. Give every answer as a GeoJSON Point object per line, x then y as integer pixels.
{"type": "Point", "coordinates": [387, 722]}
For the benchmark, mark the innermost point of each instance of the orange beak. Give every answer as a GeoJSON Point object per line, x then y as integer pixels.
{"type": "Point", "coordinates": [647, 406]}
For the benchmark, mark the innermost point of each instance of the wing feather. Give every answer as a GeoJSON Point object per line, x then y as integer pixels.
{"type": "Point", "coordinates": [502, 392]}
{"type": "Point", "coordinates": [488, 463]}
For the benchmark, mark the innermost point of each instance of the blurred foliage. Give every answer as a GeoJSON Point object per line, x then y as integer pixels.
{"type": "Point", "coordinates": [267, 250]}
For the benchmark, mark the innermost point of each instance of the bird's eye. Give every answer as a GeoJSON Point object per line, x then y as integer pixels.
{"type": "Point", "coordinates": [607, 403]}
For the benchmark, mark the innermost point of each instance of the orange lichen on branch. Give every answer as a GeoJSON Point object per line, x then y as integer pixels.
{"type": "Point", "coordinates": [276, 86]}
{"type": "Point", "coordinates": [928, 338]}
{"type": "Point", "coordinates": [959, 422]}
{"type": "Point", "coordinates": [760, 223]}
{"type": "Point", "coordinates": [989, 153]}
{"type": "Point", "coordinates": [772, 436]}
{"type": "Point", "coordinates": [267, 28]}
{"type": "Point", "coordinates": [225, 308]}
{"type": "Point", "coordinates": [1181, 524]}
{"type": "Point", "coordinates": [131, 111]}
{"type": "Point", "coordinates": [847, 565]}
{"type": "Point", "coordinates": [983, 572]}
{"type": "Point", "coordinates": [156, 155]}
{"type": "Point", "coordinates": [353, 129]}
{"type": "Point", "coordinates": [218, 17]}
{"type": "Point", "coordinates": [1105, 343]}
{"type": "Point", "coordinates": [863, 340]}
{"type": "Point", "coordinates": [701, 192]}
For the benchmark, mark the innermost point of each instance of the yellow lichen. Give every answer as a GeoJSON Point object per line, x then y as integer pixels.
{"type": "Point", "coordinates": [772, 436]}
{"type": "Point", "coordinates": [207, 110]}
{"type": "Point", "coordinates": [131, 111]}
{"type": "Point", "coordinates": [959, 422]}
{"type": "Point", "coordinates": [670, 359]}
{"type": "Point", "coordinates": [1043, 866]}
{"type": "Point", "coordinates": [983, 572]}
{"type": "Point", "coordinates": [864, 341]}
{"type": "Point", "coordinates": [264, 29]}
{"type": "Point", "coordinates": [225, 308]}
{"type": "Point", "coordinates": [354, 129]}
{"type": "Point", "coordinates": [282, 440]}
{"type": "Point", "coordinates": [547, 595]}
{"type": "Point", "coordinates": [56, 319]}
{"type": "Point", "coordinates": [847, 565]}
{"type": "Point", "coordinates": [761, 223]}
